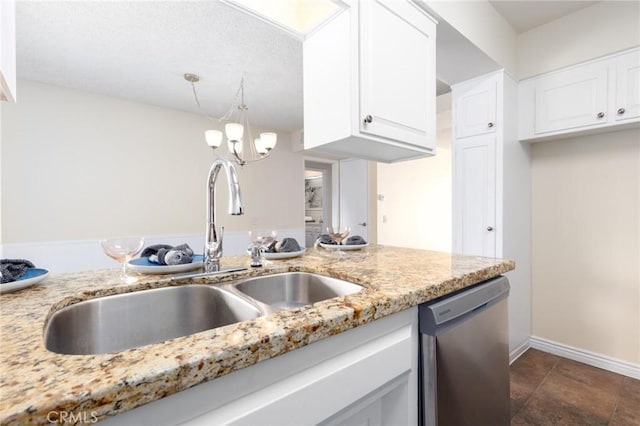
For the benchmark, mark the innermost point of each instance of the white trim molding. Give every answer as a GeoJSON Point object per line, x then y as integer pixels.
{"type": "Point", "coordinates": [518, 351]}
{"type": "Point", "coordinates": [590, 358]}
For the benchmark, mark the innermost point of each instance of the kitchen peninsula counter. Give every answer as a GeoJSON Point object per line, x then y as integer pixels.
{"type": "Point", "coordinates": [35, 382]}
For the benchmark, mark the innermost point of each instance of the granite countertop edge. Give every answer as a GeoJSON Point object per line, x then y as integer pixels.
{"type": "Point", "coordinates": [104, 385]}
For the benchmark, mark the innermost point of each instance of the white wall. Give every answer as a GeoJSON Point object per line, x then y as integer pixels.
{"type": "Point", "coordinates": [417, 194]}
{"type": "Point", "coordinates": [82, 166]}
{"type": "Point", "coordinates": [479, 22]}
{"type": "Point", "coordinates": [605, 27]}
{"type": "Point", "coordinates": [586, 243]}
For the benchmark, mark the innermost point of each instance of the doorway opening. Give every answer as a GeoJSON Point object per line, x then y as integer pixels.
{"type": "Point", "coordinates": [318, 199]}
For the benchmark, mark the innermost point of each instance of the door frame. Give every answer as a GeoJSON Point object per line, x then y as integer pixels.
{"type": "Point", "coordinates": [335, 184]}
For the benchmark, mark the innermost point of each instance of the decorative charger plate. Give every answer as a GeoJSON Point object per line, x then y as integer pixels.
{"type": "Point", "coordinates": [344, 247]}
{"type": "Point", "coordinates": [142, 265]}
{"type": "Point", "coordinates": [30, 277]}
{"type": "Point", "coordinates": [284, 255]}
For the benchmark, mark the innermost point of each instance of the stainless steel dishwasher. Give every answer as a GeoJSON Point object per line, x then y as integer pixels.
{"type": "Point", "coordinates": [464, 378]}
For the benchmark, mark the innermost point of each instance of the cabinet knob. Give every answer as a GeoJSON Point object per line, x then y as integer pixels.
{"type": "Point", "coordinates": [600, 115]}
{"type": "Point", "coordinates": [368, 119]}
{"type": "Point", "coordinates": [621, 111]}
{"type": "Point", "coordinates": [490, 125]}
{"type": "Point", "coordinates": [363, 224]}
{"type": "Point", "coordinates": [489, 228]}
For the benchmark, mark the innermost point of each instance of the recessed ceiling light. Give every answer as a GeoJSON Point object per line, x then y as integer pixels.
{"type": "Point", "coordinates": [298, 17]}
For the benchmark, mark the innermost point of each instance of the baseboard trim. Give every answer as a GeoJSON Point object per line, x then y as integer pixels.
{"type": "Point", "coordinates": [519, 350]}
{"type": "Point", "coordinates": [605, 362]}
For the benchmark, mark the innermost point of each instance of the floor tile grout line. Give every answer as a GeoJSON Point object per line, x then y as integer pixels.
{"type": "Point", "coordinates": [526, 402]}
{"type": "Point", "coordinates": [618, 396]}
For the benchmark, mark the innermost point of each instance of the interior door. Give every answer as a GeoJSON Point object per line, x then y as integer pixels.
{"type": "Point", "coordinates": [475, 196]}
{"type": "Point", "coordinates": [354, 199]}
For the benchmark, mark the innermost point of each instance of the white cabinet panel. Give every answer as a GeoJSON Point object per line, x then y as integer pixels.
{"type": "Point", "coordinates": [397, 97]}
{"type": "Point", "coordinates": [597, 96]}
{"type": "Point", "coordinates": [627, 104]}
{"type": "Point", "coordinates": [573, 98]}
{"type": "Point", "coordinates": [369, 83]}
{"type": "Point", "coordinates": [475, 110]}
{"type": "Point", "coordinates": [475, 180]}
{"type": "Point", "coordinates": [367, 375]}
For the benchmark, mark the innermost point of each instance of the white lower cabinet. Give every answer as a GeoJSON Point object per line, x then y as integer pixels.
{"type": "Point", "coordinates": [367, 375]}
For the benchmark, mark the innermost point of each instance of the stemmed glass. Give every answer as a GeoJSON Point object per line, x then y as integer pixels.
{"type": "Point", "coordinates": [260, 241]}
{"type": "Point", "coordinates": [122, 249]}
{"type": "Point", "coordinates": [338, 233]}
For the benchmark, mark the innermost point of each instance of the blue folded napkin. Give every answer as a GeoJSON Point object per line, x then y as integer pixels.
{"type": "Point", "coordinates": [326, 239]}
{"type": "Point", "coordinates": [355, 240]}
{"type": "Point", "coordinates": [12, 269]}
{"type": "Point", "coordinates": [164, 254]}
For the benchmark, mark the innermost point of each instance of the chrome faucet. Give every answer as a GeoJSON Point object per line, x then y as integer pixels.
{"type": "Point", "coordinates": [213, 242]}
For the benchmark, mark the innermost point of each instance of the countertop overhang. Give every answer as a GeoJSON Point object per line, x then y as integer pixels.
{"type": "Point", "coordinates": [35, 382]}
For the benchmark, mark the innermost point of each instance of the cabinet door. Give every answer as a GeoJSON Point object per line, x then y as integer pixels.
{"type": "Point", "coordinates": [475, 110]}
{"type": "Point", "coordinates": [627, 104]}
{"type": "Point", "coordinates": [573, 98]}
{"type": "Point", "coordinates": [397, 72]}
{"type": "Point", "coordinates": [475, 196]}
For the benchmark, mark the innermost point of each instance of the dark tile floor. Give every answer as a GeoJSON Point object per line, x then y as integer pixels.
{"type": "Point", "coordinates": [550, 390]}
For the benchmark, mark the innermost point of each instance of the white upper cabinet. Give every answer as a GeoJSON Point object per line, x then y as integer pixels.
{"type": "Point", "coordinates": [627, 104]}
{"type": "Point", "coordinates": [369, 83]}
{"type": "Point", "coordinates": [7, 51]}
{"type": "Point", "coordinates": [475, 110]}
{"type": "Point", "coordinates": [573, 98]}
{"type": "Point", "coordinates": [590, 97]}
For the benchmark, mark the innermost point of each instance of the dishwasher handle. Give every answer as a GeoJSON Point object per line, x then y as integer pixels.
{"type": "Point", "coordinates": [443, 314]}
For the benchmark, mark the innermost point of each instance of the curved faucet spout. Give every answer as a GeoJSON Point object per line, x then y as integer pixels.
{"type": "Point", "coordinates": [213, 237]}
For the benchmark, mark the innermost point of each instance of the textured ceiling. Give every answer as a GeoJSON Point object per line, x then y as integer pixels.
{"type": "Point", "coordinates": [140, 50]}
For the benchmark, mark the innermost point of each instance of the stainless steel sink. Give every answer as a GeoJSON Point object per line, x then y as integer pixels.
{"type": "Point", "coordinates": [294, 289]}
{"type": "Point", "coordinates": [125, 321]}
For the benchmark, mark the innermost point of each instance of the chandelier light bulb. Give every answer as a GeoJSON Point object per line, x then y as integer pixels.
{"type": "Point", "coordinates": [213, 137]}
{"type": "Point", "coordinates": [234, 131]}
{"type": "Point", "coordinates": [268, 140]}
{"type": "Point", "coordinates": [260, 149]}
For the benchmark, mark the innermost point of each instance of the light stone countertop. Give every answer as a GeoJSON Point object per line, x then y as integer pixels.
{"type": "Point", "coordinates": [35, 381]}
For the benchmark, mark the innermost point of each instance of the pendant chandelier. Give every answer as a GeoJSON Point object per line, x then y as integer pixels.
{"type": "Point", "coordinates": [237, 129]}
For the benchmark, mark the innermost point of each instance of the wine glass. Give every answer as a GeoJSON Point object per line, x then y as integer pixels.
{"type": "Point", "coordinates": [338, 233]}
{"type": "Point", "coordinates": [260, 241]}
{"type": "Point", "coordinates": [121, 249]}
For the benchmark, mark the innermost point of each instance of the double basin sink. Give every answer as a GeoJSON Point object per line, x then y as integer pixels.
{"type": "Point", "coordinates": [130, 320]}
